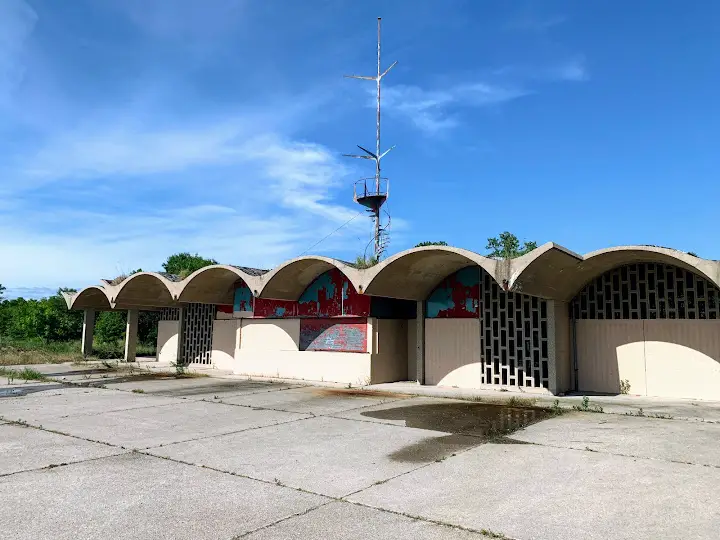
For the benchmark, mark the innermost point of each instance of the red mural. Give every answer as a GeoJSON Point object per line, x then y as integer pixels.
{"type": "Point", "coordinates": [330, 295]}
{"type": "Point", "coordinates": [457, 296]}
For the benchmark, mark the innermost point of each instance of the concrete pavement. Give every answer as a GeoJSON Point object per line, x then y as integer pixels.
{"type": "Point", "coordinates": [229, 458]}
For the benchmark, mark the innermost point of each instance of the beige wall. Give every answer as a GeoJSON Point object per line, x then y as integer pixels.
{"type": "Point", "coordinates": [682, 358]}
{"type": "Point", "coordinates": [224, 343]}
{"type": "Point", "coordinates": [269, 348]}
{"type": "Point", "coordinates": [668, 358]}
{"type": "Point", "coordinates": [412, 350]}
{"type": "Point", "coordinates": [561, 347]}
{"type": "Point", "coordinates": [452, 352]}
{"type": "Point", "coordinates": [609, 351]}
{"type": "Point", "coordinates": [389, 361]}
{"type": "Point", "coordinates": [167, 341]}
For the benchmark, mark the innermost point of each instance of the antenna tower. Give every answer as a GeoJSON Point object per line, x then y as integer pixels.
{"type": "Point", "coordinates": [372, 192]}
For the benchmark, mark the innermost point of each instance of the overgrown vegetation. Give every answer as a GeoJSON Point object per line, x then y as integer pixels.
{"type": "Point", "coordinates": [430, 243]}
{"type": "Point", "coordinates": [507, 246]}
{"type": "Point", "coordinates": [25, 374]}
{"type": "Point", "coordinates": [363, 262]}
{"type": "Point", "coordinates": [625, 386]}
{"type": "Point", "coordinates": [184, 264]}
{"type": "Point", "coordinates": [585, 406]}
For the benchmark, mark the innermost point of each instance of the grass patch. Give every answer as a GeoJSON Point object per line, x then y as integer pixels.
{"type": "Point", "coordinates": [138, 391]}
{"type": "Point", "coordinates": [18, 352]}
{"type": "Point", "coordinates": [585, 406]}
{"type": "Point", "coordinates": [26, 374]}
{"type": "Point", "coordinates": [521, 402]}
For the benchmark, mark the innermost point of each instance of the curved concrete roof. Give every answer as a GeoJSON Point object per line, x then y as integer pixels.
{"type": "Point", "coordinates": [554, 272]}
{"type": "Point", "coordinates": [289, 280]}
{"type": "Point", "coordinates": [144, 289]}
{"type": "Point", "coordinates": [215, 284]}
{"type": "Point", "coordinates": [414, 273]}
{"type": "Point", "coordinates": [93, 297]}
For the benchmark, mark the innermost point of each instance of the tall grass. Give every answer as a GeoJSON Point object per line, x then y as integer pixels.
{"type": "Point", "coordinates": [16, 352]}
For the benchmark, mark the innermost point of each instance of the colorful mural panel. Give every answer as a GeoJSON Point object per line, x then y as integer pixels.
{"type": "Point", "coordinates": [243, 301]}
{"type": "Point", "coordinates": [330, 295]}
{"type": "Point", "coordinates": [346, 335]}
{"type": "Point", "coordinates": [457, 296]}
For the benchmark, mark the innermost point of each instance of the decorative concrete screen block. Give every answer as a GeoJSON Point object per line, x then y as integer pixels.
{"type": "Point", "coordinates": [515, 337]}
{"type": "Point", "coordinates": [647, 291]}
{"type": "Point", "coordinates": [333, 335]}
{"type": "Point", "coordinates": [197, 345]}
{"type": "Point", "coordinates": [169, 314]}
{"type": "Point", "coordinates": [457, 296]}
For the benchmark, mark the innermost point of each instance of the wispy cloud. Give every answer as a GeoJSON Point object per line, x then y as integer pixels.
{"type": "Point", "coordinates": [433, 111]}
{"type": "Point", "coordinates": [17, 20]}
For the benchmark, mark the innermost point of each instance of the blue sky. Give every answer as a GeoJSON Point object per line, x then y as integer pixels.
{"type": "Point", "coordinates": [133, 129]}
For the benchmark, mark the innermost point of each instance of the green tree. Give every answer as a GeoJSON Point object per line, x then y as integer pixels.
{"type": "Point", "coordinates": [440, 243]}
{"type": "Point", "coordinates": [184, 264]}
{"type": "Point", "coordinates": [362, 261]}
{"type": "Point", "coordinates": [110, 326]}
{"type": "Point", "coordinates": [2, 290]}
{"type": "Point", "coordinates": [507, 246]}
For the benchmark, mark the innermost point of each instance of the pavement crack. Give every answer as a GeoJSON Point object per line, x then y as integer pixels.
{"type": "Point", "coordinates": [286, 518]}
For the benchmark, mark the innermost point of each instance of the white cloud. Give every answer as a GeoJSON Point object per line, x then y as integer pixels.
{"type": "Point", "coordinates": [282, 201]}
{"type": "Point", "coordinates": [432, 111]}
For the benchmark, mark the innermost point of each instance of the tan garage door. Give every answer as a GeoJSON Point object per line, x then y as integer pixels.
{"type": "Point", "coordinates": [670, 358]}
{"type": "Point", "coordinates": [452, 352]}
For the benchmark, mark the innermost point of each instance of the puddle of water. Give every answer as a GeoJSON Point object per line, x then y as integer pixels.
{"type": "Point", "coordinates": [469, 424]}
{"type": "Point", "coordinates": [477, 419]}
{"type": "Point", "coordinates": [349, 392]}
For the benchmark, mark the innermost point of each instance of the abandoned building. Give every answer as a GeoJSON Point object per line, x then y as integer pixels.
{"type": "Point", "coordinates": [641, 319]}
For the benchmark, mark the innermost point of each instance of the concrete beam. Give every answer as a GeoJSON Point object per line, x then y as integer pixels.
{"type": "Point", "coordinates": [131, 331]}
{"type": "Point", "coordinates": [88, 331]}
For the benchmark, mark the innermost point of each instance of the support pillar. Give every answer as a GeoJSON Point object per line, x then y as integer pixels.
{"type": "Point", "coordinates": [88, 330]}
{"type": "Point", "coordinates": [131, 331]}
{"type": "Point", "coordinates": [182, 323]}
{"type": "Point", "coordinates": [420, 342]}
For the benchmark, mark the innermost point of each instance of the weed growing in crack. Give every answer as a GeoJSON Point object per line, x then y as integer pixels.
{"type": "Point", "coordinates": [586, 407]}
{"type": "Point", "coordinates": [138, 391]}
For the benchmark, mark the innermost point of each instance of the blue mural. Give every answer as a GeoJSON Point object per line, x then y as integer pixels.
{"type": "Point", "coordinates": [243, 299]}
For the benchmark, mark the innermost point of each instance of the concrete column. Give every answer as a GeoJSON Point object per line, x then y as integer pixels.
{"type": "Point", "coordinates": [182, 323]}
{"type": "Point", "coordinates": [420, 343]}
{"type": "Point", "coordinates": [131, 331]}
{"type": "Point", "coordinates": [88, 331]}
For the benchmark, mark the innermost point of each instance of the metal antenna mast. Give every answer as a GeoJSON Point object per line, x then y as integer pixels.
{"type": "Point", "coordinates": [374, 196]}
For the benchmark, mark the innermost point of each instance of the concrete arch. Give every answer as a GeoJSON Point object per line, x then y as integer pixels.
{"type": "Point", "coordinates": [544, 271]}
{"type": "Point", "coordinates": [289, 280]}
{"type": "Point", "coordinates": [145, 289]}
{"type": "Point", "coordinates": [553, 275]}
{"type": "Point", "coordinates": [414, 273]}
{"type": "Point", "coordinates": [216, 284]}
{"type": "Point", "coordinates": [93, 297]}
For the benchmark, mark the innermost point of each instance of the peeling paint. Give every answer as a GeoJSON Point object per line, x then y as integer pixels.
{"type": "Point", "coordinates": [330, 295]}
{"type": "Point", "coordinates": [457, 296]}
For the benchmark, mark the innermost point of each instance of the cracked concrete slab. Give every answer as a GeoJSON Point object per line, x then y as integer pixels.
{"type": "Point", "coordinates": [59, 401]}
{"type": "Point", "coordinates": [534, 492]}
{"type": "Point", "coordinates": [669, 440]}
{"type": "Point", "coordinates": [135, 496]}
{"type": "Point", "coordinates": [324, 455]}
{"type": "Point", "coordinates": [148, 427]}
{"type": "Point", "coordinates": [314, 400]}
{"type": "Point", "coordinates": [345, 521]}
{"type": "Point", "coordinates": [26, 448]}
{"type": "Point", "coordinates": [200, 387]}
{"type": "Point", "coordinates": [367, 416]}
